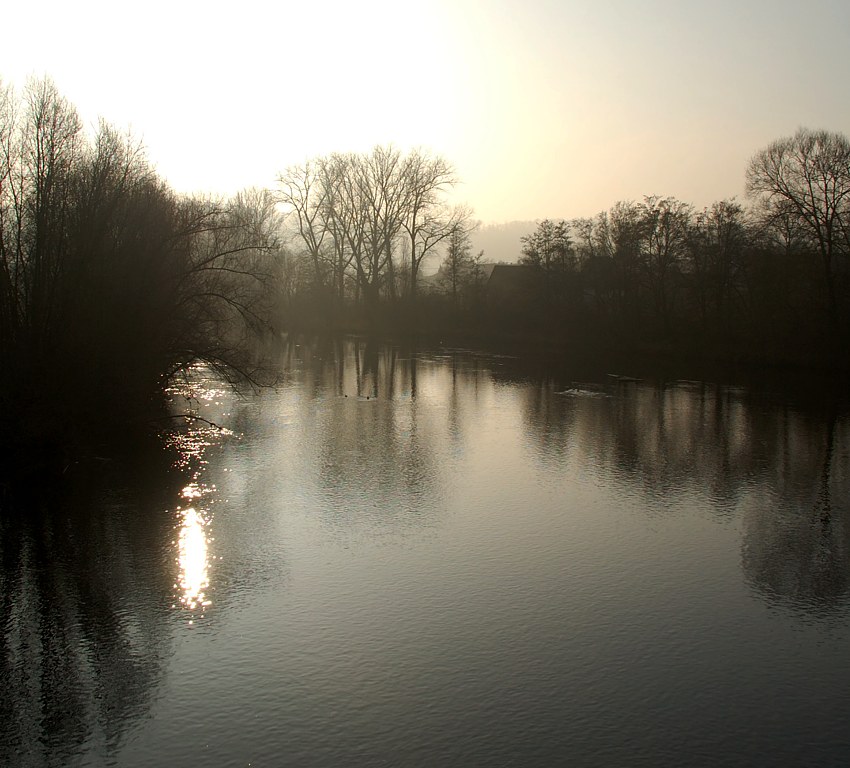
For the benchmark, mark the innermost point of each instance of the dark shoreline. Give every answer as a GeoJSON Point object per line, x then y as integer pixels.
{"type": "Point", "coordinates": [641, 359]}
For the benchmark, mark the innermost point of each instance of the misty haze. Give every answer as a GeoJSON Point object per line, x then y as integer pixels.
{"type": "Point", "coordinates": [424, 384]}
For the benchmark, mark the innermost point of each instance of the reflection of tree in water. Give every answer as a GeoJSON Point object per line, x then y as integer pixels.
{"type": "Point", "coordinates": [784, 469]}
{"type": "Point", "coordinates": [797, 541]}
{"type": "Point", "coordinates": [730, 450]}
{"type": "Point", "coordinates": [83, 643]}
{"type": "Point", "coordinates": [663, 437]}
{"type": "Point", "coordinates": [370, 432]}
{"type": "Point", "coordinates": [550, 418]}
{"type": "Point", "coordinates": [668, 438]}
{"type": "Point", "coordinates": [378, 448]}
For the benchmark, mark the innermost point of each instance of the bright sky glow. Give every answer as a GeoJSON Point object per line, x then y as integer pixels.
{"type": "Point", "coordinates": [547, 108]}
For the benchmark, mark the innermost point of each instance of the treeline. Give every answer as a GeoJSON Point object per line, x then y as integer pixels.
{"type": "Point", "coordinates": [766, 280]}
{"type": "Point", "coordinates": [361, 226]}
{"type": "Point", "coordinates": [109, 281]}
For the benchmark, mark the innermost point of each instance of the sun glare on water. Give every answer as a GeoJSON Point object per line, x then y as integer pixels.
{"type": "Point", "coordinates": [193, 553]}
{"type": "Point", "coordinates": [193, 560]}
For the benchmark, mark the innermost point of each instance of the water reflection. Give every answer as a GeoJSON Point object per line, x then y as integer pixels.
{"type": "Point", "coordinates": [224, 471]}
{"type": "Point", "coordinates": [194, 576]}
{"type": "Point", "coordinates": [585, 555]}
{"type": "Point", "coordinates": [193, 547]}
{"type": "Point", "coordinates": [200, 401]}
{"type": "Point", "coordinates": [84, 639]}
{"type": "Point", "coordinates": [86, 579]}
{"type": "Point", "coordinates": [424, 517]}
{"type": "Point", "coordinates": [398, 421]}
{"type": "Point", "coordinates": [796, 544]}
{"type": "Point", "coordinates": [782, 468]}
{"type": "Point", "coordinates": [371, 438]}
{"type": "Point", "coordinates": [393, 423]}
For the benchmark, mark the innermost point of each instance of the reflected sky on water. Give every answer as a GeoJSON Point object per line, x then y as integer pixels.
{"type": "Point", "coordinates": [443, 557]}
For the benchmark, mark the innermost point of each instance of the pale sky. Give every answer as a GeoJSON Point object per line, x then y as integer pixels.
{"type": "Point", "coordinates": [546, 108]}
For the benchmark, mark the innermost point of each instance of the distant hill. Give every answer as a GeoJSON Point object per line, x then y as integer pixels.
{"type": "Point", "coordinates": [501, 242]}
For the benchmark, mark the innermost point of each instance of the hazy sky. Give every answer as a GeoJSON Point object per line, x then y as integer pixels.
{"type": "Point", "coordinates": [547, 108]}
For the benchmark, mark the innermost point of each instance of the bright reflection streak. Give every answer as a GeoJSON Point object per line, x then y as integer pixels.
{"type": "Point", "coordinates": [199, 388]}
{"type": "Point", "coordinates": [193, 559]}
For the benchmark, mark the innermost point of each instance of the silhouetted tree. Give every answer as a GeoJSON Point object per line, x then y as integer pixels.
{"type": "Point", "coordinates": [460, 271]}
{"type": "Point", "coordinates": [108, 280]}
{"type": "Point", "coordinates": [664, 229]}
{"type": "Point", "coordinates": [717, 239]}
{"type": "Point", "coordinates": [370, 220]}
{"type": "Point", "coordinates": [623, 235]}
{"type": "Point", "coordinates": [303, 190]}
{"type": "Point", "coordinates": [429, 221]}
{"type": "Point", "coordinates": [807, 176]}
{"type": "Point", "coordinates": [549, 247]}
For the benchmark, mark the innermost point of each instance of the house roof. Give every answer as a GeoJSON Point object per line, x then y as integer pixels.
{"type": "Point", "coordinates": [511, 273]}
{"type": "Point", "coordinates": [486, 270]}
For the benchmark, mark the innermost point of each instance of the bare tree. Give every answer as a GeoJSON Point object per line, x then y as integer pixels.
{"type": "Point", "coordinates": [108, 280]}
{"type": "Point", "coordinates": [460, 271]}
{"type": "Point", "coordinates": [717, 239]}
{"type": "Point", "coordinates": [664, 225]}
{"type": "Point", "coordinates": [428, 221]}
{"type": "Point", "coordinates": [303, 191]}
{"type": "Point", "coordinates": [808, 175]}
{"type": "Point", "coordinates": [549, 247]}
{"type": "Point", "coordinates": [625, 233]}
{"type": "Point", "coordinates": [380, 180]}
{"type": "Point", "coordinates": [40, 145]}
{"type": "Point", "coordinates": [340, 214]}
{"type": "Point", "coordinates": [371, 219]}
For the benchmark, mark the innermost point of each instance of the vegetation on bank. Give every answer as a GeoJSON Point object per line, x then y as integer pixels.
{"type": "Point", "coordinates": [764, 282]}
{"type": "Point", "coordinates": [110, 282]}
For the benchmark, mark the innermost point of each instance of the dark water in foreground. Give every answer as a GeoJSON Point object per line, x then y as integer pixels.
{"type": "Point", "coordinates": [441, 559]}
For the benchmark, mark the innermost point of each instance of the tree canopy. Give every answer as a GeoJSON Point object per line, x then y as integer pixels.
{"type": "Point", "coordinates": [109, 281]}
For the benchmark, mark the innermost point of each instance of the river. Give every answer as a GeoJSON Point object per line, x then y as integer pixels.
{"type": "Point", "coordinates": [444, 557]}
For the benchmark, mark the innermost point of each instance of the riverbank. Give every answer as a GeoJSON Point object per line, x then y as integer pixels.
{"type": "Point", "coordinates": [682, 356]}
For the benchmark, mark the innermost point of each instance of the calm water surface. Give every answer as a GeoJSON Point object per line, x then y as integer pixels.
{"type": "Point", "coordinates": [445, 559]}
